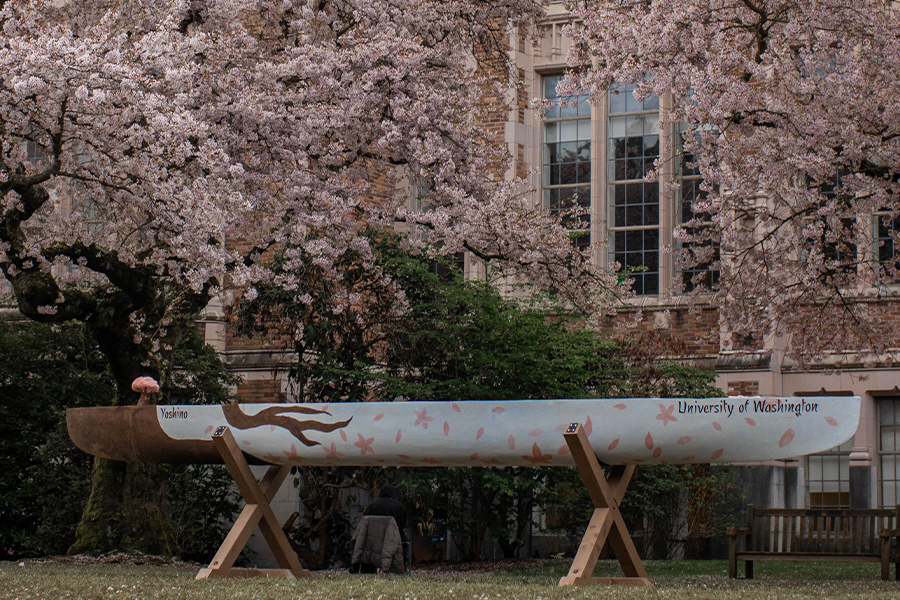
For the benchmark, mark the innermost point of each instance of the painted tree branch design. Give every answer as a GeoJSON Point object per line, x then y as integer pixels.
{"type": "Point", "coordinates": [274, 416]}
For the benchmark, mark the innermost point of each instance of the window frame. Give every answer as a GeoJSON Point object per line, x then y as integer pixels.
{"type": "Point", "coordinates": [615, 232]}
{"type": "Point", "coordinates": [583, 118]}
{"type": "Point", "coordinates": [881, 453]}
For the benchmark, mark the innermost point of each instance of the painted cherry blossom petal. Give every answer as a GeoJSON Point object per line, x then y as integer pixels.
{"type": "Point", "coordinates": [717, 426]}
{"type": "Point", "coordinates": [648, 441]}
{"type": "Point", "coordinates": [479, 434]}
{"type": "Point", "coordinates": [684, 440]}
{"type": "Point", "coordinates": [718, 453]}
{"type": "Point", "coordinates": [619, 406]}
{"type": "Point", "coordinates": [498, 409]}
{"type": "Point", "coordinates": [455, 406]}
{"type": "Point", "coordinates": [786, 439]}
{"type": "Point", "coordinates": [831, 421]}
{"type": "Point", "coordinates": [537, 457]}
{"type": "Point", "coordinates": [292, 455]}
{"type": "Point", "coordinates": [512, 442]}
{"type": "Point", "coordinates": [364, 444]}
{"type": "Point", "coordinates": [613, 444]}
{"type": "Point", "coordinates": [378, 417]}
{"type": "Point", "coordinates": [666, 414]}
{"type": "Point", "coordinates": [535, 432]}
{"type": "Point", "coordinates": [422, 418]}
{"type": "Point", "coordinates": [332, 452]}
{"type": "Point", "coordinates": [446, 428]}
{"type": "Point", "coordinates": [399, 432]}
{"type": "Point", "coordinates": [750, 421]}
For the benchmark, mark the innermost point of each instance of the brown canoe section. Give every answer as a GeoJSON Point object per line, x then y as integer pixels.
{"type": "Point", "coordinates": [133, 434]}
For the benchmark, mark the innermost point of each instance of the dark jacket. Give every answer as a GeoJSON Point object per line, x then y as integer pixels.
{"type": "Point", "coordinates": [387, 505]}
{"type": "Point", "coordinates": [377, 543]}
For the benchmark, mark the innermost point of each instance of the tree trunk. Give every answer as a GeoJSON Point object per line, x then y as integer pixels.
{"type": "Point", "coordinates": [126, 511]}
{"type": "Point", "coordinates": [127, 508]}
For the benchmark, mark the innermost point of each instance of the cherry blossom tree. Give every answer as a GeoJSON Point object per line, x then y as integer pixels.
{"type": "Point", "coordinates": [152, 153]}
{"type": "Point", "coordinates": [792, 116]}
{"type": "Point", "coordinates": [155, 154]}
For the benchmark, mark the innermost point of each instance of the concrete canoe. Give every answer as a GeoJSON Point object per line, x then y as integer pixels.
{"type": "Point", "coordinates": [473, 433]}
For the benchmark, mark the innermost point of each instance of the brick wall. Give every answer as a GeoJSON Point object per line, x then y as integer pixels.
{"type": "Point", "coordinates": [743, 388]}
{"type": "Point", "coordinates": [261, 390]}
{"type": "Point", "coordinates": [695, 333]}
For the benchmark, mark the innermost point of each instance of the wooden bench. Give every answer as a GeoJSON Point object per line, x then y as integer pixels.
{"type": "Point", "coordinates": [840, 535]}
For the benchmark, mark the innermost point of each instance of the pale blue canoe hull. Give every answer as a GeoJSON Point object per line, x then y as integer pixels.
{"type": "Point", "coordinates": [481, 433]}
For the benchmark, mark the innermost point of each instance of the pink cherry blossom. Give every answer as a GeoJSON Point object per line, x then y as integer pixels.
{"type": "Point", "coordinates": [422, 417]}
{"type": "Point", "coordinates": [145, 385]}
{"type": "Point", "coordinates": [364, 444]}
{"type": "Point", "coordinates": [666, 415]}
{"type": "Point", "coordinates": [292, 456]}
{"type": "Point", "coordinates": [332, 452]}
{"type": "Point", "coordinates": [537, 457]}
{"type": "Point", "coordinates": [790, 112]}
{"type": "Point", "coordinates": [150, 157]}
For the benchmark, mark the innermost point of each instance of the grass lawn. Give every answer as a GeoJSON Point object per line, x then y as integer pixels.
{"type": "Point", "coordinates": [676, 580]}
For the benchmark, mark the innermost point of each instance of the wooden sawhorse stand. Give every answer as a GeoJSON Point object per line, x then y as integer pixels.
{"type": "Point", "coordinates": [606, 524]}
{"type": "Point", "coordinates": [256, 512]}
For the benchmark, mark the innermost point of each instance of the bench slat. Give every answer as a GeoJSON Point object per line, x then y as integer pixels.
{"type": "Point", "coordinates": [807, 556]}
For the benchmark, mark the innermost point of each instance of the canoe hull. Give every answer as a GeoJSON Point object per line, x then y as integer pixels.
{"type": "Point", "coordinates": [473, 433]}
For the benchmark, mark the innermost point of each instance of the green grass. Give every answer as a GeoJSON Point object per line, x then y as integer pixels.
{"type": "Point", "coordinates": [676, 580]}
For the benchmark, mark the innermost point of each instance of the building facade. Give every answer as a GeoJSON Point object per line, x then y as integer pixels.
{"type": "Point", "coordinates": [595, 155]}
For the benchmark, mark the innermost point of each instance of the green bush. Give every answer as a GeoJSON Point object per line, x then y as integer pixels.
{"type": "Point", "coordinates": [44, 369]}
{"type": "Point", "coordinates": [46, 481]}
{"type": "Point", "coordinates": [203, 503]}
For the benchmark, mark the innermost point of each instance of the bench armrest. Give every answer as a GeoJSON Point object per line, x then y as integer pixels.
{"type": "Point", "coordinates": [889, 533]}
{"type": "Point", "coordinates": [737, 531]}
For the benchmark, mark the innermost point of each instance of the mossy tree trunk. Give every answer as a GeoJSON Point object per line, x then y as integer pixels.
{"type": "Point", "coordinates": [127, 508]}
{"type": "Point", "coordinates": [126, 511]}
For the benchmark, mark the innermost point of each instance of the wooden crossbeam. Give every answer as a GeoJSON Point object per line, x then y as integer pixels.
{"type": "Point", "coordinates": [606, 524]}
{"type": "Point", "coordinates": [256, 512]}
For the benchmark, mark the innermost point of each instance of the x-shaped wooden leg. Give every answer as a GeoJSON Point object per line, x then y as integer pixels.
{"type": "Point", "coordinates": [606, 523]}
{"type": "Point", "coordinates": [256, 512]}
